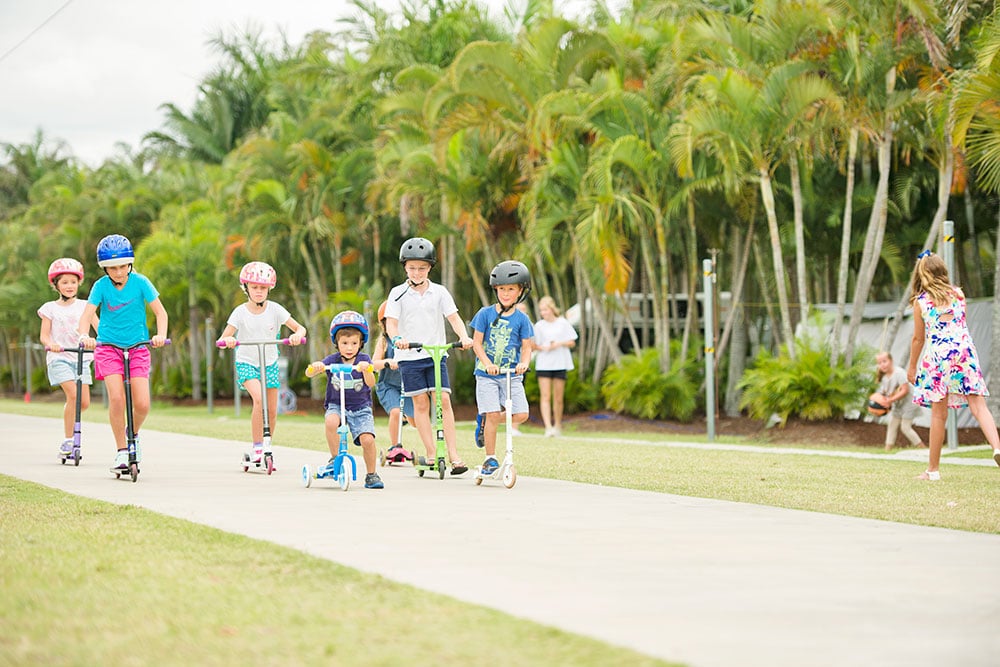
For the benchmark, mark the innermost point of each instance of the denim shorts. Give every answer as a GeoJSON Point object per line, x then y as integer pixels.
{"type": "Point", "coordinates": [60, 371]}
{"type": "Point", "coordinates": [246, 372]}
{"type": "Point", "coordinates": [359, 422]}
{"type": "Point", "coordinates": [418, 376]}
{"type": "Point", "coordinates": [388, 398]}
{"type": "Point", "coordinates": [491, 394]}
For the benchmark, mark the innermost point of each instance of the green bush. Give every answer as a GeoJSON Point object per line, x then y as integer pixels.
{"type": "Point", "coordinates": [637, 387]}
{"type": "Point", "coordinates": [807, 386]}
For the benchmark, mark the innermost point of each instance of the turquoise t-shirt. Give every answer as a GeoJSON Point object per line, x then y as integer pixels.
{"type": "Point", "coordinates": [502, 337]}
{"type": "Point", "coordinates": [123, 311]}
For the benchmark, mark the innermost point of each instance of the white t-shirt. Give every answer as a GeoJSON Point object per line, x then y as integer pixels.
{"type": "Point", "coordinates": [421, 316]}
{"type": "Point", "coordinates": [266, 326]}
{"type": "Point", "coordinates": [904, 408]}
{"type": "Point", "coordinates": [558, 330]}
{"type": "Point", "coordinates": [65, 324]}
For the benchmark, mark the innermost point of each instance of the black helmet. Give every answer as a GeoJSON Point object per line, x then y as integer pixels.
{"type": "Point", "coordinates": [417, 248]}
{"type": "Point", "coordinates": [511, 272]}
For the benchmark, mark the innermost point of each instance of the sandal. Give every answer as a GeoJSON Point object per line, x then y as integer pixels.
{"type": "Point", "coordinates": [457, 468]}
{"type": "Point", "coordinates": [929, 476]}
{"type": "Point", "coordinates": [996, 456]}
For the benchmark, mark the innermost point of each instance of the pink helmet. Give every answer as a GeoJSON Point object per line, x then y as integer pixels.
{"type": "Point", "coordinates": [65, 265]}
{"type": "Point", "coordinates": [258, 273]}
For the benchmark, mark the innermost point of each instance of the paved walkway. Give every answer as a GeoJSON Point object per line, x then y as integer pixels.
{"type": "Point", "coordinates": [705, 582]}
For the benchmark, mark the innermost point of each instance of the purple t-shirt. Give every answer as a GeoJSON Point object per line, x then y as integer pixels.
{"type": "Point", "coordinates": [357, 394]}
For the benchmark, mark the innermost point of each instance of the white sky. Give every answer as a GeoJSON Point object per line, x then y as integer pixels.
{"type": "Point", "coordinates": [97, 73]}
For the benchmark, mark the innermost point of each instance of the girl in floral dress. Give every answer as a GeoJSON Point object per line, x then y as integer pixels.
{"type": "Point", "coordinates": [949, 374]}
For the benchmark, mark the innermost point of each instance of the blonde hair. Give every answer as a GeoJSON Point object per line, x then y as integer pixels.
{"type": "Point", "coordinates": [878, 371]}
{"type": "Point", "coordinates": [931, 275]}
{"type": "Point", "coordinates": [550, 302]}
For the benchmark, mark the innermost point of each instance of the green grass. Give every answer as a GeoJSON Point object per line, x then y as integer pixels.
{"type": "Point", "coordinates": [92, 583]}
{"type": "Point", "coordinates": [966, 499]}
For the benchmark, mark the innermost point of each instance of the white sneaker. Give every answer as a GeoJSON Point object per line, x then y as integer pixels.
{"type": "Point", "coordinates": [556, 432]}
{"type": "Point", "coordinates": [258, 454]}
{"type": "Point", "coordinates": [121, 459]}
{"type": "Point", "coordinates": [548, 431]}
{"type": "Point", "coordinates": [514, 431]}
{"type": "Point", "coordinates": [66, 448]}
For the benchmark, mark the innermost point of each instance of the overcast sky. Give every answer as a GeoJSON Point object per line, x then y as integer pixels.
{"type": "Point", "coordinates": [96, 72]}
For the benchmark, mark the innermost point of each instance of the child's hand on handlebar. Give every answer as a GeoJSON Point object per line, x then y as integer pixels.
{"type": "Point", "coordinates": [229, 342]}
{"type": "Point", "coordinates": [521, 368]}
{"type": "Point", "coordinates": [492, 369]}
{"type": "Point", "coordinates": [365, 367]}
{"type": "Point", "coordinates": [315, 368]}
{"type": "Point", "coordinates": [88, 342]}
{"type": "Point", "coordinates": [158, 341]}
{"type": "Point", "coordinates": [296, 339]}
{"type": "Point", "coordinates": [467, 343]}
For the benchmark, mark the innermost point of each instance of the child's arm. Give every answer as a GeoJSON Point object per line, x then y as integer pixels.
{"type": "Point", "coordinates": [525, 361]}
{"type": "Point", "coordinates": [160, 339]}
{"type": "Point", "coordinates": [45, 335]}
{"type": "Point", "coordinates": [458, 326]}
{"type": "Point", "coordinates": [367, 369]}
{"type": "Point", "coordinates": [299, 331]}
{"type": "Point", "coordinates": [315, 368]}
{"type": "Point", "coordinates": [916, 344]}
{"type": "Point", "coordinates": [83, 329]}
{"type": "Point", "coordinates": [480, 350]}
{"type": "Point", "coordinates": [227, 336]}
{"type": "Point", "coordinates": [378, 356]}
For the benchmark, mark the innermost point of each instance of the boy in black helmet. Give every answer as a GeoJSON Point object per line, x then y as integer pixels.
{"type": "Point", "coordinates": [501, 339]}
{"type": "Point", "coordinates": [416, 311]}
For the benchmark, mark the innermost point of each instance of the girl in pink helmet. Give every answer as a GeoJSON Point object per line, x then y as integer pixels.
{"type": "Point", "coordinates": [259, 319]}
{"type": "Point", "coordinates": [60, 322]}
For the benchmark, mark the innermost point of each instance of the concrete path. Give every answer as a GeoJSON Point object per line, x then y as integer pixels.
{"type": "Point", "coordinates": [705, 582]}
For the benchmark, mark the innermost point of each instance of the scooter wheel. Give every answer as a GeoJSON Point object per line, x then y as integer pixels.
{"type": "Point", "coordinates": [479, 480]}
{"type": "Point", "coordinates": [381, 458]}
{"type": "Point", "coordinates": [133, 471]}
{"type": "Point", "coordinates": [62, 460]}
{"type": "Point", "coordinates": [76, 457]}
{"type": "Point", "coordinates": [307, 477]}
{"type": "Point", "coordinates": [269, 463]}
{"type": "Point", "coordinates": [441, 468]}
{"type": "Point", "coordinates": [420, 473]}
{"type": "Point", "coordinates": [510, 477]}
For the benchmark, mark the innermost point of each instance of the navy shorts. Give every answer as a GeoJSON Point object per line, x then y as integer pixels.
{"type": "Point", "coordinates": [418, 376]}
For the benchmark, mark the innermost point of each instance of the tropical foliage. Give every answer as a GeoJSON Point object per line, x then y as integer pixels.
{"type": "Point", "coordinates": [810, 146]}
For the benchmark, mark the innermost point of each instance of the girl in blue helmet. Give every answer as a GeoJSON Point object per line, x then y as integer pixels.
{"type": "Point", "coordinates": [349, 333]}
{"type": "Point", "coordinates": [122, 295]}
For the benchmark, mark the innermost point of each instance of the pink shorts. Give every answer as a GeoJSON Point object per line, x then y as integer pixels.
{"type": "Point", "coordinates": [111, 361]}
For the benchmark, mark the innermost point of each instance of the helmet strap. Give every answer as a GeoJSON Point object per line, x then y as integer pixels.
{"type": "Point", "coordinates": [413, 284]}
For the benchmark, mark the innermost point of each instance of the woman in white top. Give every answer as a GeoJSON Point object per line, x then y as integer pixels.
{"type": "Point", "coordinates": [554, 338]}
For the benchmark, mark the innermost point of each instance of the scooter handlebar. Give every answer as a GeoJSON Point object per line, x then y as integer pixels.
{"type": "Point", "coordinates": [141, 343]}
{"type": "Point", "coordinates": [446, 346]}
{"type": "Point", "coordinates": [278, 341]}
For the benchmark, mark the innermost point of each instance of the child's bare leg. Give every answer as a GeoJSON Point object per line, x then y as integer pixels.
{"type": "Point", "coordinates": [272, 410]}
{"type": "Point", "coordinates": [140, 402]}
{"type": "Point", "coordinates": [448, 424]}
{"type": "Point", "coordinates": [257, 413]}
{"type": "Point", "coordinates": [115, 386]}
{"type": "Point", "coordinates": [490, 426]}
{"type": "Point", "coordinates": [394, 420]}
{"type": "Point", "coordinates": [545, 400]}
{"type": "Point", "coordinates": [368, 449]}
{"type": "Point", "coordinates": [422, 420]}
{"type": "Point", "coordinates": [558, 391]}
{"type": "Point", "coordinates": [939, 416]}
{"type": "Point", "coordinates": [332, 422]}
{"type": "Point", "coordinates": [981, 411]}
{"type": "Point", "coordinates": [69, 410]}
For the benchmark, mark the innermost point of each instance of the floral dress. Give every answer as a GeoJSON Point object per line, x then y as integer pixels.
{"type": "Point", "coordinates": [949, 366]}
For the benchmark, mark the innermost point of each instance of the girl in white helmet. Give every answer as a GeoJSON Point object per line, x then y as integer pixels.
{"type": "Point", "coordinates": [259, 319]}
{"type": "Point", "coordinates": [60, 322]}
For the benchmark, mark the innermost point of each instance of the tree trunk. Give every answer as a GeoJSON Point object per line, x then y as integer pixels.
{"type": "Point", "coordinates": [195, 341]}
{"type": "Point", "coordinates": [845, 247]}
{"type": "Point", "coordinates": [737, 362]}
{"type": "Point", "coordinates": [876, 229]}
{"type": "Point", "coordinates": [970, 226]}
{"type": "Point", "coordinates": [777, 260]}
{"type": "Point", "coordinates": [800, 239]}
{"type": "Point", "coordinates": [993, 400]}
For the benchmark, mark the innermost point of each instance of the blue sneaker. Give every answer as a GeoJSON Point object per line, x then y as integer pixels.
{"type": "Point", "coordinates": [480, 442]}
{"type": "Point", "coordinates": [490, 466]}
{"type": "Point", "coordinates": [373, 481]}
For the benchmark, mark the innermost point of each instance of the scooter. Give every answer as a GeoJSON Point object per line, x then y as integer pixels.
{"type": "Point", "coordinates": [437, 352]}
{"type": "Point", "coordinates": [133, 461]}
{"type": "Point", "coordinates": [396, 453]}
{"type": "Point", "coordinates": [266, 460]}
{"type": "Point", "coordinates": [337, 469]}
{"type": "Point", "coordinates": [75, 454]}
{"type": "Point", "coordinates": [506, 472]}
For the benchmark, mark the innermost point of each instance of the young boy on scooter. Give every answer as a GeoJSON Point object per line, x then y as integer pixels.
{"type": "Point", "coordinates": [416, 311]}
{"type": "Point", "coordinates": [259, 319]}
{"type": "Point", "coordinates": [501, 338]}
{"type": "Point", "coordinates": [122, 296]}
{"type": "Point", "coordinates": [349, 333]}
{"type": "Point", "coordinates": [60, 322]}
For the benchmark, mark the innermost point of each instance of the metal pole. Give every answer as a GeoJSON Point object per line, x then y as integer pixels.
{"type": "Point", "coordinates": [27, 369]}
{"type": "Point", "coordinates": [236, 388]}
{"type": "Point", "coordinates": [209, 360]}
{"type": "Point", "coordinates": [709, 299]}
{"type": "Point", "coordinates": [948, 253]}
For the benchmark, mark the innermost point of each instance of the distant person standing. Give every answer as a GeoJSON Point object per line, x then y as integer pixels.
{"type": "Point", "coordinates": [893, 385]}
{"type": "Point", "coordinates": [949, 375]}
{"type": "Point", "coordinates": [554, 338]}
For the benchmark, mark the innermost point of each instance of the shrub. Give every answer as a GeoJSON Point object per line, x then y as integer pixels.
{"type": "Point", "coordinates": [807, 386]}
{"type": "Point", "coordinates": [637, 387]}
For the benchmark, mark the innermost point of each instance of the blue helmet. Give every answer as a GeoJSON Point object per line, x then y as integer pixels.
{"type": "Point", "coordinates": [114, 250]}
{"type": "Point", "coordinates": [349, 319]}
